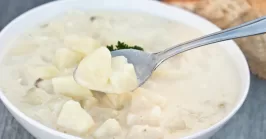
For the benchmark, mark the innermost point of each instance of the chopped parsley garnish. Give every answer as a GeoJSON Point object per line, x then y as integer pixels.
{"type": "Point", "coordinates": [122, 45]}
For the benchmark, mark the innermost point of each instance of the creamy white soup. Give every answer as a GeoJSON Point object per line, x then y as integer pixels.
{"type": "Point", "coordinates": [186, 94]}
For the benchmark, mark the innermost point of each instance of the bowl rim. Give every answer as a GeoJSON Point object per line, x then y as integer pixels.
{"type": "Point", "coordinates": [212, 27]}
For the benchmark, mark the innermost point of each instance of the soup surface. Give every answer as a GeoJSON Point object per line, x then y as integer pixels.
{"type": "Point", "coordinates": [187, 93]}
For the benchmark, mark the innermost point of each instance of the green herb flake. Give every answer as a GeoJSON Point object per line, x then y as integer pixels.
{"type": "Point", "coordinates": [122, 45]}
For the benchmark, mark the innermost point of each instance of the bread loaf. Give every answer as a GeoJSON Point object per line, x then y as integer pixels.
{"type": "Point", "coordinates": [229, 13]}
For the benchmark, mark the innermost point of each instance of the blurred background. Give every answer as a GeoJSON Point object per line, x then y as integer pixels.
{"type": "Point", "coordinates": [250, 121]}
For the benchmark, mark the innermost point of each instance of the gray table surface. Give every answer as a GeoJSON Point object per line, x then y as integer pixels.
{"type": "Point", "coordinates": [248, 123]}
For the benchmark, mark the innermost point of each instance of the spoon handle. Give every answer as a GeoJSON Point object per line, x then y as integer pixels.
{"type": "Point", "coordinates": [251, 28]}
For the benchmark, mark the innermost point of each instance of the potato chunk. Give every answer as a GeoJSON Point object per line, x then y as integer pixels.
{"type": "Point", "coordinates": [174, 123]}
{"type": "Point", "coordinates": [32, 73]}
{"type": "Point", "coordinates": [36, 96]}
{"type": "Point", "coordinates": [140, 103]}
{"type": "Point", "coordinates": [152, 97]}
{"type": "Point", "coordinates": [102, 114]}
{"type": "Point", "coordinates": [124, 79]}
{"type": "Point", "coordinates": [109, 129]}
{"type": "Point", "coordinates": [66, 85]}
{"type": "Point", "coordinates": [151, 117]}
{"type": "Point", "coordinates": [146, 108]}
{"type": "Point", "coordinates": [56, 104]}
{"type": "Point", "coordinates": [66, 58]}
{"type": "Point", "coordinates": [145, 132]}
{"type": "Point", "coordinates": [42, 114]}
{"type": "Point", "coordinates": [74, 119]}
{"type": "Point", "coordinates": [46, 85]}
{"type": "Point", "coordinates": [99, 71]}
{"type": "Point", "coordinates": [118, 62]}
{"type": "Point", "coordinates": [25, 47]}
{"type": "Point", "coordinates": [95, 70]}
{"type": "Point", "coordinates": [81, 44]}
{"type": "Point", "coordinates": [89, 102]}
{"type": "Point", "coordinates": [116, 101]}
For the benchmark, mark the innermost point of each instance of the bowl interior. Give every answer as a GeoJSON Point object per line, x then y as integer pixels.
{"type": "Point", "coordinates": [51, 10]}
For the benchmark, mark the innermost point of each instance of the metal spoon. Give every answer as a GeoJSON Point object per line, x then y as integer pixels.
{"type": "Point", "coordinates": [146, 63]}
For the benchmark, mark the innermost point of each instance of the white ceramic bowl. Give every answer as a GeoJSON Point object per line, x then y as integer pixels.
{"type": "Point", "coordinates": [46, 12]}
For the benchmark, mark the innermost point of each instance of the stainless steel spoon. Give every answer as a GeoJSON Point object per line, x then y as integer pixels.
{"type": "Point", "coordinates": [146, 63]}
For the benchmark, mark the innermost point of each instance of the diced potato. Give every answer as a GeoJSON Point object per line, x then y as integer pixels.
{"type": "Point", "coordinates": [67, 86]}
{"type": "Point", "coordinates": [35, 60]}
{"type": "Point", "coordinates": [158, 100]}
{"type": "Point", "coordinates": [67, 72]}
{"type": "Point", "coordinates": [155, 116]}
{"type": "Point", "coordinates": [56, 104]}
{"type": "Point", "coordinates": [36, 96]}
{"type": "Point", "coordinates": [25, 47]}
{"type": "Point", "coordinates": [46, 54]}
{"type": "Point", "coordinates": [125, 79]}
{"type": "Point", "coordinates": [46, 85]}
{"type": "Point", "coordinates": [116, 101]}
{"type": "Point", "coordinates": [174, 124]}
{"type": "Point", "coordinates": [124, 76]}
{"type": "Point", "coordinates": [140, 102]}
{"type": "Point", "coordinates": [43, 115]}
{"type": "Point", "coordinates": [118, 62]}
{"type": "Point", "coordinates": [145, 132]}
{"type": "Point", "coordinates": [109, 128]}
{"type": "Point", "coordinates": [44, 72]}
{"type": "Point", "coordinates": [105, 113]}
{"type": "Point", "coordinates": [74, 119]}
{"type": "Point", "coordinates": [144, 111]}
{"type": "Point", "coordinates": [133, 119]}
{"type": "Point", "coordinates": [151, 118]}
{"type": "Point", "coordinates": [153, 97]}
{"type": "Point", "coordinates": [66, 58]}
{"type": "Point", "coordinates": [95, 69]}
{"type": "Point", "coordinates": [81, 44]}
{"type": "Point", "coordinates": [89, 102]}
{"type": "Point", "coordinates": [32, 73]}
